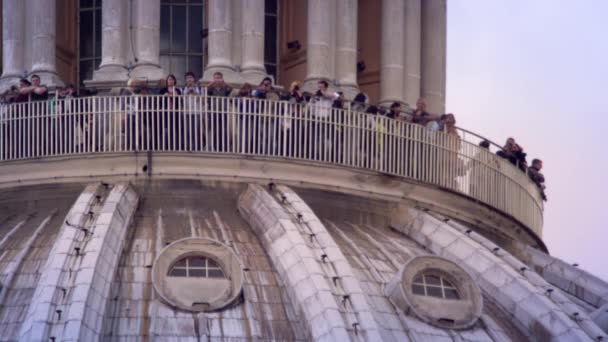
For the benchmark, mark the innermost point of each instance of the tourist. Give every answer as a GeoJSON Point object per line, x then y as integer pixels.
{"type": "Point", "coordinates": [247, 118]}
{"type": "Point", "coordinates": [514, 154]}
{"type": "Point", "coordinates": [218, 87]}
{"type": "Point", "coordinates": [318, 130]}
{"type": "Point", "coordinates": [537, 177]}
{"type": "Point", "coordinates": [170, 86]}
{"type": "Point", "coordinates": [217, 112]}
{"type": "Point", "coordinates": [358, 103]}
{"type": "Point", "coordinates": [191, 88]}
{"type": "Point", "coordinates": [420, 115]}
{"type": "Point", "coordinates": [192, 107]}
{"type": "Point", "coordinates": [263, 89]}
{"type": "Point", "coordinates": [35, 91]}
{"type": "Point", "coordinates": [483, 180]}
{"type": "Point", "coordinates": [394, 111]}
{"type": "Point", "coordinates": [171, 118]}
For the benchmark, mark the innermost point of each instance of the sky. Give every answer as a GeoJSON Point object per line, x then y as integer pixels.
{"type": "Point", "coordinates": [537, 70]}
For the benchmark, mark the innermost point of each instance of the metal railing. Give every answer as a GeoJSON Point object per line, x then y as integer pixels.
{"type": "Point", "coordinates": [244, 126]}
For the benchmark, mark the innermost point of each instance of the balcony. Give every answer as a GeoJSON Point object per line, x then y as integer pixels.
{"type": "Point", "coordinates": [244, 138]}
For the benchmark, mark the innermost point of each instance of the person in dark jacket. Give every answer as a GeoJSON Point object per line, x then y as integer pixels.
{"type": "Point", "coordinates": [537, 177]}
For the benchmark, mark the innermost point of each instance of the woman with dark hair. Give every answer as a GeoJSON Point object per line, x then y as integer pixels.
{"type": "Point", "coordinates": [247, 117]}
{"type": "Point", "coordinates": [172, 119]}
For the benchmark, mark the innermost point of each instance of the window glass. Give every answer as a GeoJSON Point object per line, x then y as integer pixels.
{"type": "Point", "coordinates": [178, 29]}
{"type": "Point", "coordinates": [434, 285]}
{"type": "Point", "coordinates": [87, 47]}
{"type": "Point", "coordinates": [165, 29]}
{"type": "Point", "coordinates": [90, 40]}
{"type": "Point", "coordinates": [271, 37]}
{"type": "Point", "coordinates": [181, 42]}
{"type": "Point", "coordinates": [271, 6]}
{"type": "Point", "coordinates": [97, 29]}
{"type": "Point", "coordinates": [195, 26]}
{"type": "Point", "coordinates": [196, 267]}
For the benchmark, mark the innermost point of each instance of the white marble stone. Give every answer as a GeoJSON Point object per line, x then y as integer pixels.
{"type": "Point", "coordinates": [44, 22]}
{"type": "Point", "coordinates": [346, 47]}
{"type": "Point", "coordinates": [320, 51]}
{"type": "Point", "coordinates": [252, 41]}
{"type": "Point", "coordinates": [411, 44]}
{"type": "Point", "coordinates": [146, 17]}
{"type": "Point", "coordinates": [13, 42]}
{"type": "Point", "coordinates": [115, 39]}
{"type": "Point", "coordinates": [220, 41]}
{"type": "Point", "coordinates": [433, 52]}
{"type": "Point", "coordinates": [391, 51]}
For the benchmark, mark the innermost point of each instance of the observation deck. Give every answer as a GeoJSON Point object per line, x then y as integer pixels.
{"type": "Point", "coordinates": [138, 138]}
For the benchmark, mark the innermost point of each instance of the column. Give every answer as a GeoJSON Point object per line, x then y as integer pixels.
{"type": "Point", "coordinates": [252, 48]}
{"type": "Point", "coordinates": [346, 47]}
{"type": "Point", "coordinates": [13, 42]}
{"type": "Point", "coordinates": [43, 23]}
{"type": "Point", "coordinates": [320, 53]}
{"type": "Point", "coordinates": [113, 43]}
{"type": "Point", "coordinates": [220, 41]}
{"type": "Point", "coordinates": [433, 47]}
{"type": "Point", "coordinates": [411, 75]}
{"type": "Point", "coordinates": [391, 51]}
{"type": "Point", "coordinates": [146, 18]}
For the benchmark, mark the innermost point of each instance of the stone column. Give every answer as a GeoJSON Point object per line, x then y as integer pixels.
{"type": "Point", "coordinates": [320, 52]}
{"type": "Point", "coordinates": [411, 73]}
{"type": "Point", "coordinates": [220, 41]}
{"type": "Point", "coordinates": [146, 18]}
{"type": "Point", "coordinates": [114, 38]}
{"type": "Point", "coordinates": [433, 63]}
{"type": "Point", "coordinates": [43, 21]}
{"type": "Point", "coordinates": [13, 42]}
{"type": "Point", "coordinates": [252, 48]}
{"type": "Point", "coordinates": [346, 47]}
{"type": "Point", "coordinates": [391, 51]}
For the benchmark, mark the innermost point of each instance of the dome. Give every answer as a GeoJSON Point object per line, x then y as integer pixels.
{"type": "Point", "coordinates": [78, 262]}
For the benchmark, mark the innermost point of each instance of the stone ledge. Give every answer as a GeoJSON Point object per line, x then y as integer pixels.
{"type": "Point", "coordinates": [360, 182]}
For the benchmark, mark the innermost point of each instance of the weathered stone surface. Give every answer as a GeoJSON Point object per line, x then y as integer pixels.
{"type": "Point", "coordinates": [343, 250]}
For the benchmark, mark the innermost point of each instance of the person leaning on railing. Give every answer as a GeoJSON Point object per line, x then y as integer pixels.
{"type": "Point", "coordinates": [218, 108]}
{"type": "Point", "coordinates": [514, 154]}
{"type": "Point", "coordinates": [36, 91]}
{"type": "Point", "coordinates": [537, 177]}
{"type": "Point", "coordinates": [172, 115]}
{"type": "Point", "coordinates": [246, 121]}
{"type": "Point", "coordinates": [191, 127]}
{"type": "Point", "coordinates": [292, 121]}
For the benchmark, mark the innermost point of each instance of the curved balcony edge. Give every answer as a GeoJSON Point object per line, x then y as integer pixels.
{"type": "Point", "coordinates": [142, 166]}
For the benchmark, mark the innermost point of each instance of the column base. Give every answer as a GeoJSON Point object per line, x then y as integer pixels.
{"type": "Point", "coordinates": [349, 90]}
{"type": "Point", "coordinates": [48, 78]}
{"type": "Point", "coordinates": [230, 76]}
{"type": "Point", "coordinates": [148, 71]}
{"type": "Point", "coordinates": [388, 102]}
{"type": "Point", "coordinates": [108, 77]}
{"type": "Point", "coordinates": [6, 81]}
{"type": "Point", "coordinates": [310, 84]}
{"type": "Point", "coordinates": [254, 76]}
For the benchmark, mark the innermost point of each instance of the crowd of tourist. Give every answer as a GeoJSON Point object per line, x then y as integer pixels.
{"type": "Point", "coordinates": [323, 98]}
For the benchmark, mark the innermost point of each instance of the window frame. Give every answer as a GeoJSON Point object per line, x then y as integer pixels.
{"type": "Point", "coordinates": [187, 267]}
{"type": "Point", "coordinates": [277, 40]}
{"type": "Point", "coordinates": [187, 54]}
{"type": "Point", "coordinates": [444, 284]}
{"type": "Point", "coordinates": [97, 55]}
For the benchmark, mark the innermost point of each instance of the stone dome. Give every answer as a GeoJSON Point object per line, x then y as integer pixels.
{"type": "Point", "coordinates": [77, 260]}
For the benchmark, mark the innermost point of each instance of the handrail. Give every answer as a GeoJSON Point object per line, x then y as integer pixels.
{"type": "Point", "coordinates": [245, 126]}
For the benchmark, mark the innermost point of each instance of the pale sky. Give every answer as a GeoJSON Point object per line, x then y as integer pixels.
{"type": "Point", "coordinates": [537, 70]}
